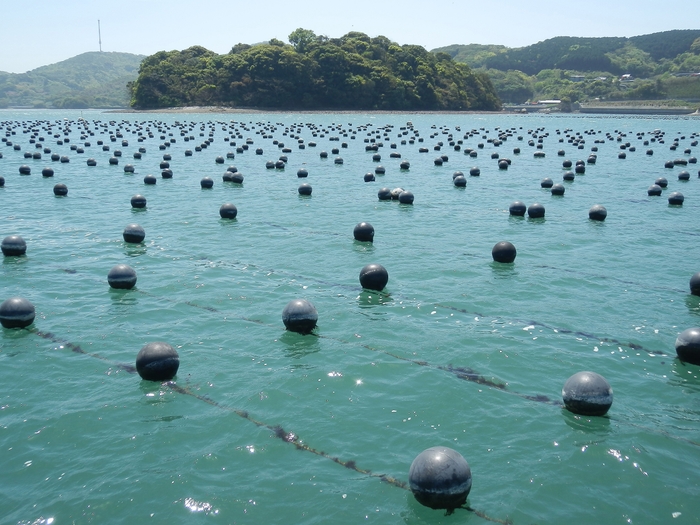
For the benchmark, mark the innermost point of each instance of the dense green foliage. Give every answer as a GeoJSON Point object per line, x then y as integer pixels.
{"type": "Point", "coordinates": [94, 80]}
{"type": "Point", "coordinates": [315, 72]}
{"type": "Point", "coordinates": [582, 69]}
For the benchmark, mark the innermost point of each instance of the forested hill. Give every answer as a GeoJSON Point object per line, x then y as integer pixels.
{"type": "Point", "coordinates": [610, 54]}
{"type": "Point", "coordinates": [90, 80]}
{"type": "Point", "coordinates": [314, 72]}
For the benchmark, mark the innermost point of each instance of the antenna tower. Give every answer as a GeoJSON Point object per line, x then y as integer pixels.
{"type": "Point", "coordinates": [99, 35]}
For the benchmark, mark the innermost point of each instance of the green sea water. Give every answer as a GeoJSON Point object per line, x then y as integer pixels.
{"type": "Point", "coordinates": [262, 425]}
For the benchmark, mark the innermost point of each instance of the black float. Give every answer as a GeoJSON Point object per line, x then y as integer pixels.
{"type": "Point", "coordinates": [364, 232]}
{"type": "Point", "coordinates": [440, 478]}
{"type": "Point", "coordinates": [134, 233]}
{"type": "Point", "coordinates": [122, 277]}
{"type": "Point", "coordinates": [157, 361]}
{"type": "Point", "coordinates": [587, 394]}
{"type": "Point", "coordinates": [16, 312]}
{"type": "Point", "coordinates": [374, 277]}
{"type": "Point", "coordinates": [13, 246]}
{"type": "Point", "coordinates": [300, 316]}
{"type": "Point", "coordinates": [504, 252]}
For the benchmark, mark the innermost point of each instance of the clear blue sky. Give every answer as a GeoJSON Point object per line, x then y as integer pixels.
{"type": "Point", "coordinates": [40, 32]}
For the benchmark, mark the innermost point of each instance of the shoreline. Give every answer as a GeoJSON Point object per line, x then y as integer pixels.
{"type": "Point", "coordinates": [226, 110]}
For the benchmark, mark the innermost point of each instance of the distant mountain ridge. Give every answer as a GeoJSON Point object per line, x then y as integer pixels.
{"type": "Point", "coordinates": [657, 66]}
{"type": "Point", "coordinates": [575, 53]}
{"type": "Point", "coordinates": [90, 80]}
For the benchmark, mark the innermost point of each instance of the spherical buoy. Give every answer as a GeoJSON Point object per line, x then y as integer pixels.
{"type": "Point", "coordinates": [587, 394]}
{"type": "Point", "coordinates": [228, 211]}
{"type": "Point", "coordinates": [518, 209]}
{"type": "Point", "coordinates": [13, 245]}
{"type": "Point", "coordinates": [406, 197]}
{"type": "Point", "coordinates": [167, 173]}
{"type": "Point", "coordinates": [504, 252]}
{"type": "Point", "coordinates": [688, 346]}
{"type": "Point", "coordinates": [374, 277]}
{"type": "Point", "coordinates": [369, 177]}
{"type": "Point", "coordinates": [237, 178]}
{"type": "Point", "coordinates": [364, 232]}
{"type": "Point", "coordinates": [546, 183]}
{"type": "Point", "coordinates": [65, 159]}
{"type": "Point", "coordinates": [134, 233]}
{"type": "Point", "coordinates": [16, 312]}
{"type": "Point", "coordinates": [440, 478]}
{"type": "Point", "coordinates": [695, 284]}
{"type": "Point", "coordinates": [60, 190]}
{"type": "Point", "coordinates": [684, 175]}
{"type": "Point", "coordinates": [474, 172]}
{"type": "Point", "coordinates": [503, 164]}
{"type": "Point", "coordinates": [380, 170]}
{"type": "Point", "coordinates": [206, 182]}
{"type": "Point", "coordinates": [300, 316]}
{"type": "Point", "coordinates": [535, 211]}
{"type": "Point", "coordinates": [47, 172]}
{"type": "Point", "coordinates": [338, 160]}
{"type": "Point", "coordinates": [305, 189]}
{"type": "Point", "coordinates": [2, 181]}
{"type": "Point", "coordinates": [597, 213]}
{"type": "Point", "coordinates": [460, 181]}
{"type": "Point", "coordinates": [157, 361]}
{"type": "Point", "coordinates": [303, 172]}
{"type": "Point", "coordinates": [149, 179]}
{"type": "Point", "coordinates": [122, 277]}
{"type": "Point", "coordinates": [654, 190]}
{"type": "Point", "coordinates": [129, 168]}
{"type": "Point", "coordinates": [558, 189]}
{"type": "Point", "coordinates": [91, 162]}
{"type": "Point", "coordinates": [661, 181]}
{"type": "Point", "coordinates": [384, 194]}
{"type": "Point", "coordinates": [220, 159]}
{"type": "Point", "coordinates": [569, 176]}
{"type": "Point", "coordinates": [24, 170]}
{"type": "Point", "coordinates": [676, 198]}
{"type": "Point", "coordinates": [580, 169]}
{"type": "Point", "coordinates": [138, 201]}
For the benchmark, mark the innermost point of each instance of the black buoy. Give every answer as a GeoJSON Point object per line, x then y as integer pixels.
{"type": "Point", "coordinates": [695, 284]}
{"type": "Point", "coordinates": [134, 233]}
{"type": "Point", "coordinates": [684, 175]}
{"type": "Point", "coordinates": [440, 478]}
{"type": "Point", "coordinates": [228, 211]}
{"type": "Point", "coordinates": [16, 312]}
{"type": "Point", "coordinates": [60, 190]}
{"type": "Point", "coordinates": [206, 182]}
{"type": "Point", "coordinates": [688, 346]}
{"type": "Point", "coordinates": [122, 277]}
{"type": "Point", "coordinates": [374, 277]}
{"type": "Point", "coordinates": [661, 181]}
{"type": "Point", "coordinates": [676, 198]}
{"type": "Point", "coordinates": [149, 179]}
{"type": "Point", "coordinates": [369, 177]}
{"type": "Point", "coordinates": [597, 213]}
{"type": "Point", "coordinates": [91, 162]}
{"type": "Point", "coordinates": [474, 172]}
{"type": "Point", "coordinates": [518, 209]}
{"type": "Point", "coordinates": [157, 361]}
{"type": "Point", "coordinates": [504, 252]}
{"type": "Point", "coordinates": [535, 211]}
{"type": "Point", "coordinates": [364, 232]}
{"type": "Point", "coordinates": [305, 189]}
{"type": "Point", "coordinates": [2, 181]}
{"type": "Point", "coordinates": [13, 246]}
{"type": "Point", "coordinates": [47, 172]}
{"type": "Point", "coordinates": [546, 183]}
{"type": "Point", "coordinates": [558, 189]}
{"type": "Point", "coordinates": [587, 394]}
{"type": "Point", "coordinates": [406, 197]}
{"type": "Point", "coordinates": [569, 176]}
{"type": "Point", "coordinates": [303, 172]}
{"type": "Point", "coordinates": [25, 170]}
{"type": "Point", "coordinates": [300, 316]}
{"type": "Point", "coordinates": [167, 173]}
{"type": "Point", "coordinates": [138, 201]}
{"type": "Point", "coordinates": [654, 190]}
{"type": "Point", "coordinates": [384, 194]}
{"type": "Point", "coordinates": [129, 168]}
{"type": "Point", "coordinates": [460, 181]}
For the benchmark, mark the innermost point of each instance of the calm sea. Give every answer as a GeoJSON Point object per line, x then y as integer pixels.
{"type": "Point", "coordinates": [267, 426]}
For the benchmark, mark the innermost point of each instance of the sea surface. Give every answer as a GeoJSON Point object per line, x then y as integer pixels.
{"type": "Point", "coordinates": [263, 425]}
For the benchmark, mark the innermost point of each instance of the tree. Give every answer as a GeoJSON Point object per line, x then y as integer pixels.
{"type": "Point", "coordinates": [300, 38]}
